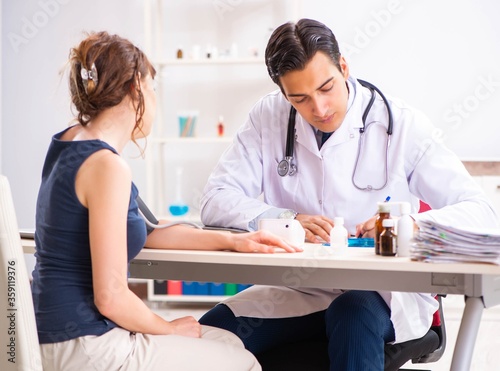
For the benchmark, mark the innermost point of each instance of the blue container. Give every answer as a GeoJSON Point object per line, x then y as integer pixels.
{"type": "Point", "coordinates": [178, 209]}
{"type": "Point", "coordinates": [358, 242]}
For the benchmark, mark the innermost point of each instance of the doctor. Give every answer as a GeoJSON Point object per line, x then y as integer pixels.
{"type": "Point", "coordinates": [343, 168]}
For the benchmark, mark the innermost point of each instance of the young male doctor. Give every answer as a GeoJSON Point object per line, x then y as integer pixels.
{"type": "Point", "coordinates": [343, 168]}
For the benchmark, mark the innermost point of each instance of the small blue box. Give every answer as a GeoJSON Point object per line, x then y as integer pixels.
{"type": "Point", "coordinates": [357, 242]}
{"type": "Point", "coordinates": [361, 242]}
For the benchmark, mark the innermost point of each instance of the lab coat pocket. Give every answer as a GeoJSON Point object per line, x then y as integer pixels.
{"type": "Point", "coordinates": [280, 191]}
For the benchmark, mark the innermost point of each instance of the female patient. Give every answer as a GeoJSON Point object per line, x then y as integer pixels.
{"type": "Point", "coordinates": [88, 229]}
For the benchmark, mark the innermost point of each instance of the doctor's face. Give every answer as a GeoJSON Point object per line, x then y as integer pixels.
{"type": "Point", "coordinates": [319, 92]}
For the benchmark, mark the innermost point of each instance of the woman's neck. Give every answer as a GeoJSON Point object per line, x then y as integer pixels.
{"type": "Point", "coordinates": [113, 126]}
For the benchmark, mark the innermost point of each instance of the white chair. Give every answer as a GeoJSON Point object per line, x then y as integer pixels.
{"type": "Point", "coordinates": [17, 318]}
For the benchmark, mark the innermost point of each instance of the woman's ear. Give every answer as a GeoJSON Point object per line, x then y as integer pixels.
{"type": "Point", "coordinates": [136, 85]}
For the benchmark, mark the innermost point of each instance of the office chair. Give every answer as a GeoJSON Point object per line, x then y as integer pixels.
{"type": "Point", "coordinates": [313, 355]}
{"type": "Point", "coordinates": [17, 322]}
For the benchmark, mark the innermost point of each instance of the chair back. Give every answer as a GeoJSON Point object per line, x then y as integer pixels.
{"type": "Point", "coordinates": [439, 328]}
{"type": "Point", "coordinates": [17, 320]}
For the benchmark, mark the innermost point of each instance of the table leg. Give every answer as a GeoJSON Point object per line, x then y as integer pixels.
{"type": "Point", "coordinates": [467, 334]}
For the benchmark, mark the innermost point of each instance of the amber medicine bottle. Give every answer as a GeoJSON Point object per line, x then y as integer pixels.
{"type": "Point", "coordinates": [384, 212]}
{"type": "Point", "coordinates": [388, 238]}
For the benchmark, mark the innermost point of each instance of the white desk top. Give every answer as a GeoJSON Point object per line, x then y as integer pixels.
{"type": "Point", "coordinates": [315, 255]}
{"type": "Point", "coordinates": [357, 258]}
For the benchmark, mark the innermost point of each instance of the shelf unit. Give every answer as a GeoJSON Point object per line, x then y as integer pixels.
{"type": "Point", "coordinates": [205, 299]}
{"type": "Point", "coordinates": [208, 62]}
{"type": "Point", "coordinates": [228, 85]}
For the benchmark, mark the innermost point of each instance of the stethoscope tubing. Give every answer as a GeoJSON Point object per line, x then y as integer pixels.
{"type": "Point", "coordinates": [287, 167]}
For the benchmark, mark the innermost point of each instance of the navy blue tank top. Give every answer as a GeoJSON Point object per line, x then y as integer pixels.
{"type": "Point", "coordinates": [62, 279]}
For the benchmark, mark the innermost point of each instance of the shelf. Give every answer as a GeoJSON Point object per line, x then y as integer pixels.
{"type": "Point", "coordinates": [193, 140]}
{"type": "Point", "coordinates": [188, 298]}
{"type": "Point", "coordinates": [208, 62]}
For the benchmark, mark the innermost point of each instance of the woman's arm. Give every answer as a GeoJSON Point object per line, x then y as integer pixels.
{"type": "Point", "coordinates": [103, 186]}
{"type": "Point", "coordinates": [188, 238]}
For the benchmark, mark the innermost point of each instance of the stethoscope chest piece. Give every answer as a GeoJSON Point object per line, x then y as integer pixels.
{"type": "Point", "coordinates": [285, 167]}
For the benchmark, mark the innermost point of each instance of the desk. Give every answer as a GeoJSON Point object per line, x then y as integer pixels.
{"type": "Point", "coordinates": [359, 269]}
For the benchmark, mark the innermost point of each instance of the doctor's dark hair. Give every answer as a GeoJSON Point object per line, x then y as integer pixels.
{"type": "Point", "coordinates": [292, 45]}
{"type": "Point", "coordinates": [104, 69]}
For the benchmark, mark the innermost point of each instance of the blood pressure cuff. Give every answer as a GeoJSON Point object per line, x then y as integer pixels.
{"type": "Point", "coordinates": [147, 214]}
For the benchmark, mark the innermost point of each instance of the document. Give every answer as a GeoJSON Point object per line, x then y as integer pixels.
{"type": "Point", "coordinates": [439, 243]}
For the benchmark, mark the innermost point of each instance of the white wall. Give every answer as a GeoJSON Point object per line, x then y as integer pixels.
{"type": "Point", "coordinates": [442, 57]}
{"type": "Point", "coordinates": [36, 39]}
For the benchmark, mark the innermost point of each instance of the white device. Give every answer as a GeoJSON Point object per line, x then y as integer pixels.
{"type": "Point", "coordinates": [288, 229]}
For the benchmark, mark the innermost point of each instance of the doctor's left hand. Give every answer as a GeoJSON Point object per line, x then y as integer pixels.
{"type": "Point", "coordinates": [366, 229]}
{"type": "Point", "coordinates": [260, 242]}
{"type": "Point", "coordinates": [317, 227]}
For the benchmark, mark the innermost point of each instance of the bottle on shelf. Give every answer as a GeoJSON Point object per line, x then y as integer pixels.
{"type": "Point", "coordinates": [384, 212]}
{"type": "Point", "coordinates": [338, 236]}
{"type": "Point", "coordinates": [220, 126]}
{"type": "Point", "coordinates": [179, 53]}
{"type": "Point", "coordinates": [178, 207]}
{"type": "Point", "coordinates": [387, 238]}
{"type": "Point", "coordinates": [405, 230]}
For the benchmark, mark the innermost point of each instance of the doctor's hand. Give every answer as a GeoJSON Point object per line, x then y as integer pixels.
{"type": "Point", "coordinates": [317, 227]}
{"type": "Point", "coordinates": [366, 229]}
{"type": "Point", "coordinates": [260, 242]}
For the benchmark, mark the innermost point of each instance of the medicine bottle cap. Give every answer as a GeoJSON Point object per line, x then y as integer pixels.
{"type": "Point", "coordinates": [388, 223]}
{"type": "Point", "coordinates": [384, 207]}
{"type": "Point", "coordinates": [338, 220]}
{"type": "Point", "coordinates": [405, 208]}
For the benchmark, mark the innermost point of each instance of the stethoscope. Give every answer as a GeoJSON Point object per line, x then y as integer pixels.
{"type": "Point", "coordinates": [287, 167]}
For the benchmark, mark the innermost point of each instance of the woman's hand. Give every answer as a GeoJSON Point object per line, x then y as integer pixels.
{"type": "Point", "coordinates": [317, 227]}
{"type": "Point", "coordinates": [186, 326]}
{"type": "Point", "coordinates": [261, 242]}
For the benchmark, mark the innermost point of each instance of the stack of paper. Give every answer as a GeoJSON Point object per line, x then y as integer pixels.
{"type": "Point", "coordinates": [439, 243]}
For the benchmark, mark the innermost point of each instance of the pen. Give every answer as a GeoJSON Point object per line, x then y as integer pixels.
{"type": "Point", "coordinates": [387, 199]}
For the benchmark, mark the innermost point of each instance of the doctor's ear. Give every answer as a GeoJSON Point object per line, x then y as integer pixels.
{"type": "Point", "coordinates": [344, 67]}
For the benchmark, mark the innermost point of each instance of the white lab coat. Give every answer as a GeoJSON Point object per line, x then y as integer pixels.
{"type": "Point", "coordinates": [245, 184]}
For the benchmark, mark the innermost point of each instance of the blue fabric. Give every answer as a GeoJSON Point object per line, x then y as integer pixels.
{"type": "Point", "coordinates": [261, 334]}
{"type": "Point", "coordinates": [62, 278]}
{"type": "Point", "coordinates": [357, 325]}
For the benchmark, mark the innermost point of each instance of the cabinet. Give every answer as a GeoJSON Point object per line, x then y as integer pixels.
{"type": "Point", "coordinates": [227, 83]}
